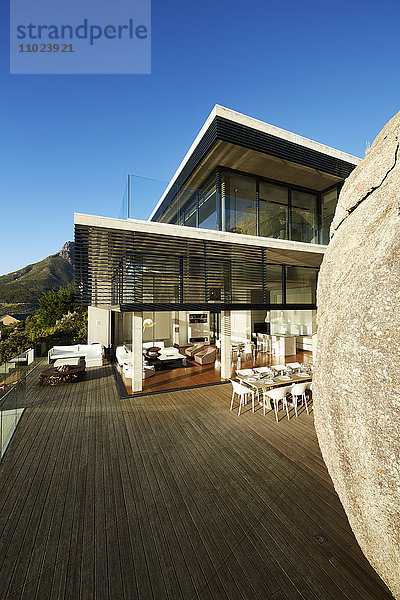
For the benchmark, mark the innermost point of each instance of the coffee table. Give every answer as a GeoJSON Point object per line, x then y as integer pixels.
{"type": "Point", "coordinates": [169, 360]}
{"type": "Point", "coordinates": [52, 376]}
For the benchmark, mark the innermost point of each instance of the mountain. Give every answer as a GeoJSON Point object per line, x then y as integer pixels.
{"type": "Point", "coordinates": [20, 291]}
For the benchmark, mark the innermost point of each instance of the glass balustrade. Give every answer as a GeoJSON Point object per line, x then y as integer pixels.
{"type": "Point", "coordinates": [12, 394]}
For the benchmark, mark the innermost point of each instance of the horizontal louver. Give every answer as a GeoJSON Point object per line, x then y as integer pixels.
{"type": "Point", "coordinates": [144, 271]}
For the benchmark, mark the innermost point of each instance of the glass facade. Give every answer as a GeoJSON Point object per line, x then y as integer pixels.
{"type": "Point", "coordinates": [301, 285]}
{"type": "Point", "coordinates": [328, 207]}
{"type": "Point", "coordinates": [304, 217]}
{"type": "Point", "coordinates": [274, 210]}
{"type": "Point", "coordinates": [238, 204]}
{"type": "Point", "coordinates": [274, 284]}
{"type": "Point", "coordinates": [189, 213]}
{"type": "Point", "coordinates": [251, 205]}
{"type": "Point", "coordinates": [207, 198]}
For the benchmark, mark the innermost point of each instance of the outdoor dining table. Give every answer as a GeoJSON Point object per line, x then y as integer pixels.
{"type": "Point", "coordinates": [266, 383]}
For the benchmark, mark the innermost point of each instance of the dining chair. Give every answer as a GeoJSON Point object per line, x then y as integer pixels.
{"type": "Point", "coordinates": [248, 349]}
{"type": "Point", "coordinates": [262, 342]}
{"type": "Point", "coordinates": [309, 389]}
{"type": "Point", "coordinates": [298, 390]}
{"type": "Point", "coordinates": [277, 395]}
{"type": "Point", "coordinates": [243, 393]}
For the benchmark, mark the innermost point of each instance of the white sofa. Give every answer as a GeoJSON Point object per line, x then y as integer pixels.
{"type": "Point", "coordinates": [92, 353]}
{"type": "Point", "coordinates": [147, 345]}
{"type": "Point", "coordinates": [163, 350]}
{"type": "Point", "coordinates": [123, 355]}
{"type": "Point", "coordinates": [124, 358]}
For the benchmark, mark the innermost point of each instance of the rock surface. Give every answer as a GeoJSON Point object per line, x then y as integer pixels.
{"type": "Point", "coordinates": [357, 379]}
{"type": "Point", "coordinates": [68, 252]}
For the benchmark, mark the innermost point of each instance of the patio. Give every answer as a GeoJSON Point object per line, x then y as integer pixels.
{"type": "Point", "coordinates": [170, 496]}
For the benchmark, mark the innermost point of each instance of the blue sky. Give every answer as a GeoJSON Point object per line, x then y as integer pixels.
{"type": "Point", "coordinates": [326, 70]}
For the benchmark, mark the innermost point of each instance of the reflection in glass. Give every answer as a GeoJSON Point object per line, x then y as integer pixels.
{"type": "Point", "coordinates": [189, 213]}
{"type": "Point", "coordinates": [273, 210]}
{"type": "Point", "coordinates": [273, 284]}
{"type": "Point", "coordinates": [304, 217]}
{"type": "Point", "coordinates": [240, 204]}
{"type": "Point", "coordinates": [207, 205]}
{"type": "Point", "coordinates": [329, 202]}
{"type": "Point", "coordinates": [301, 285]}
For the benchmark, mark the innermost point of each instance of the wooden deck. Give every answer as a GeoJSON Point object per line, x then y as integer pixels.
{"type": "Point", "coordinates": [195, 374]}
{"type": "Point", "coordinates": [170, 496]}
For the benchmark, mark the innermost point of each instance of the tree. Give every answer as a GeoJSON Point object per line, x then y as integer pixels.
{"type": "Point", "coordinates": [54, 305]}
{"type": "Point", "coordinates": [15, 344]}
{"type": "Point", "coordinates": [57, 319]}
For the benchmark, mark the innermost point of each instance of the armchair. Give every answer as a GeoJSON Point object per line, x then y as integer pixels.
{"type": "Point", "coordinates": [206, 357]}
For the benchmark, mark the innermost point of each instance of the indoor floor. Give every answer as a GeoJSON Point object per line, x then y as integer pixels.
{"type": "Point", "coordinates": [194, 374]}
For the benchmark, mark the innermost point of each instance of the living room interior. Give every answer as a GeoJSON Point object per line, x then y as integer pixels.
{"type": "Point", "coordinates": [182, 348]}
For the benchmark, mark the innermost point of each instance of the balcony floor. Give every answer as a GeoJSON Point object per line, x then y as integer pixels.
{"type": "Point", "coordinates": [170, 496]}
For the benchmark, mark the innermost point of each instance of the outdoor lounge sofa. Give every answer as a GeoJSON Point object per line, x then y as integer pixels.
{"type": "Point", "coordinates": [206, 357]}
{"type": "Point", "coordinates": [92, 353]}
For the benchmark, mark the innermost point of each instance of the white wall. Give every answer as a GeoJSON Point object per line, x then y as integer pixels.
{"type": "Point", "coordinates": [241, 324]}
{"type": "Point", "coordinates": [162, 328]}
{"type": "Point", "coordinates": [99, 326]}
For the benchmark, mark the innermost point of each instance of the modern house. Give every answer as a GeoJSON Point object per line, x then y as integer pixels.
{"type": "Point", "coordinates": [232, 247]}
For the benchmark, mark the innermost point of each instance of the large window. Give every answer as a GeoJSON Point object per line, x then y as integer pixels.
{"type": "Point", "coordinates": [207, 205]}
{"type": "Point", "coordinates": [282, 211]}
{"type": "Point", "coordinates": [304, 217]}
{"type": "Point", "coordinates": [301, 285]}
{"type": "Point", "coordinates": [240, 204]}
{"type": "Point", "coordinates": [273, 210]}
{"type": "Point", "coordinates": [329, 202]}
{"type": "Point", "coordinates": [190, 213]}
{"type": "Point", "coordinates": [273, 284]}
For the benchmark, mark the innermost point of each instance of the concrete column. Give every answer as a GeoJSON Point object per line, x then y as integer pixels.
{"type": "Point", "coordinates": [99, 326]}
{"type": "Point", "coordinates": [175, 328]}
{"type": "Point", "coordinates": [226, 362]}
{"type": "Point", "coordinates": [137, 353]}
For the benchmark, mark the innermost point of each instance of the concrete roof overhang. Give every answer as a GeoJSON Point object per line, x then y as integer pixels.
{"type": "Point", "coordinates": [232, 156]}
{"type": "Point", "coordinates": [231, 139]}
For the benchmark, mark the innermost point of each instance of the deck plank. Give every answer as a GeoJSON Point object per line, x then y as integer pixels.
{"type": "Point", "coordinates": [170, 496]}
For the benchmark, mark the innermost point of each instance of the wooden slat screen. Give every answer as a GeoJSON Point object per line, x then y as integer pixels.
{"type": "Point", "coordinates": [145, 271]}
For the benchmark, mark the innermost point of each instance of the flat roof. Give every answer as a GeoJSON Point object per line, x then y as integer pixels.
{"type": "Point", "coordinates": [276, 133]}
